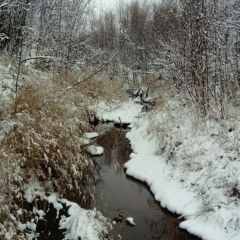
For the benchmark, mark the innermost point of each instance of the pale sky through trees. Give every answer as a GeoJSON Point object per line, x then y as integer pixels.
{"type": "Point", "coordinates": [108, 4]}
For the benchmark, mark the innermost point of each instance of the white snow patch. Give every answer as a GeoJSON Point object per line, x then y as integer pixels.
{"type": "Point", "coordinates": [21, 226]}
{"type": "Point", "coordinates": [40, 214]}
{"type": "Point", "coordinates": [124, 113]}
{"type": "Point", "coordinates": [95, 150]}
{"type": "Point", "coordinates": [56, 203]}
{"type": "Point", "coordinates": [84, 224]}
{"type": "Point", "coordinates": [130, 221]}
{"type": "Point", "coordinates": [32, 190]}
{"type": "Point", "coordinates": [32, 226]}
{"type": "Point", "coordinates": [84, 141]}
{"type": "Point", "coordinates": [192, 168]}
{"type": "Point", "coordinates": [90, 135]}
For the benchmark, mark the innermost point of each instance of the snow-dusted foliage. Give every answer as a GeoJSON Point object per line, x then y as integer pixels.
{"type": "Point", "coordinates": [194, 43]}
{"type": "Point", "coordinates": [43, 153]}
{"type": "Point", "coordinates": [187, 150]}
{"type": "Point", "coordinates": [44, 139]}
{"type": "Point", "coordinates": [201, 55]}
{"type": "Point", "coordinates": [60, 30]}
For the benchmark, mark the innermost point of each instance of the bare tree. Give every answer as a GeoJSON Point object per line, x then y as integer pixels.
{"type": "Point", "coordinates": [13, 22]}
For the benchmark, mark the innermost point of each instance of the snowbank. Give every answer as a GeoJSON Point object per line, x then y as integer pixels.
{"type": "Point", "coordinates": [117, 112]}
{"type": "Point", "coordinates": [192, 167]}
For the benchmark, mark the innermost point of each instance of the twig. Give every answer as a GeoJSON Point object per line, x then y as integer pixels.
{"type": "Point", "coordinates": [37, 57]}
{"type": "Point", "coordinates": [19, 67]}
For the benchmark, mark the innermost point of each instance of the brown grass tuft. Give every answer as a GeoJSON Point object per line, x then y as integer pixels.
{"type": "Point", "coordinates": [46, 137]}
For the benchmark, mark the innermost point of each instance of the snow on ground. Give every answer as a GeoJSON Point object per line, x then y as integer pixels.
{"type": "Point", "coordinates": [95, 150]}
{"type": "Point", "coordinates": [90, 135]}
{"type": "Point", "coordinates": [118, 113]}
{"type": "Point", "coordinates": [190, 164]}
{"type": "Point", "coordinates": [192, 168]}
{"type": "Point", "coordinates": [84, 224]}
{"type": "Point", "coordinates": [79, 224]}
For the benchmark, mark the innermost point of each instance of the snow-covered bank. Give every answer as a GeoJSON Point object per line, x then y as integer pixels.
{"type": "Point", "coordinates": [190, 163]}
{"type": "Point", "coordinates": [77, 223]}
{"type": "Point", "coordinates": [192, 167]}
{"type": "Point", "coordinates": [116, 112]}
{"type": "Point", "coordinates": [84, 224]}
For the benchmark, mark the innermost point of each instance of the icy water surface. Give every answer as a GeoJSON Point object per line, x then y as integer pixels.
{"type": "Point", "coordinates": [120, 196]}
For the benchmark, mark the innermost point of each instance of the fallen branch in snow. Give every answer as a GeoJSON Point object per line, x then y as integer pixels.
{"type": "Point", "coordinates": [91, 75]}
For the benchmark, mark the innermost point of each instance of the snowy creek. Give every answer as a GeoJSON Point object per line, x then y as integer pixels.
{"type": "Point", "coordinates": [119, 196]}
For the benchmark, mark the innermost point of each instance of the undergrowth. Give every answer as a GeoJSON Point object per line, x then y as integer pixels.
{"type": "Point", "coordinates": [41, 141]}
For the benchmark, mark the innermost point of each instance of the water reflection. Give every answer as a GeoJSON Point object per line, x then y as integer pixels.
{"type": "Point", "coordinates": [116, 147]}
{"type": "Point", "coordinates": [120, 196]}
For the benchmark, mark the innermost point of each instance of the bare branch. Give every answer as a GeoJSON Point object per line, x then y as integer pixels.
{"type": "Point", "coordinates": [91, 75]}
{"type": "Point", "coordinates": [38, 57]}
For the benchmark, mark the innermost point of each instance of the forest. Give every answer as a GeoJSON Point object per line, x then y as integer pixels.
{"type": "Point", "coordinates": [195, 44]}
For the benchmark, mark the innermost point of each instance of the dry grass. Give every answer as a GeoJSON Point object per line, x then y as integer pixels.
{"type": "Point", "coordinates": [104, 89]}
{"type": "Point", "coordinates": [10, 193]}
{"type": "Point", "coordinates": [159, 89]}
{"type": "Point", "coordinates": [47, 139]}
{"type": "Point", "coordinates": [96, 89]}
{"type": "Point", "coordinates": [24, 71]}
{"type": "Point", "coordinates": [43, 143]}
{"type": "Point", "coordinates": [42, 139]}
{"type": "Point", "coordinates": [46, 136]}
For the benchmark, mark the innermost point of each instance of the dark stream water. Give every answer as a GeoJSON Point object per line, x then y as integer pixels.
{"type": "Point", "coordinates": [120, 196]}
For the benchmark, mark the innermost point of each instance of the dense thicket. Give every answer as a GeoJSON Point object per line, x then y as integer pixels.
{"type": "Point", "coordinates": [54, 28]}
{"type": "Point", "coordinates": [194, 43]}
